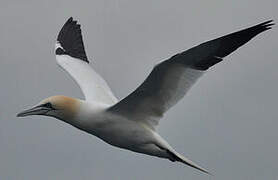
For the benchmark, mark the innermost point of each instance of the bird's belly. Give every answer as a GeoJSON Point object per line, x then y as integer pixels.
{"type": "Point", "coordinates": [124, 134]}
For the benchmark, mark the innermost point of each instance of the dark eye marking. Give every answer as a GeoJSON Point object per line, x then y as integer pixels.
{"type": "Point", "coordinates": [48, 105]}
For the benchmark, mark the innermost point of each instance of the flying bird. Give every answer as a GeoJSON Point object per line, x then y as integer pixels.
{"type": "Point", "coordinates": [131, 123]}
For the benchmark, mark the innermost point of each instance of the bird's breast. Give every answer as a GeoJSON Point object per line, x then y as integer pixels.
{"type": "Point", "coordinates": [121, 133]}
{"type": "Point", "coordinates": [113, 129]}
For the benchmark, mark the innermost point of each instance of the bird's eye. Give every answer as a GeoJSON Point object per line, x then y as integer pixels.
{"type": "Point", "coordinates": [48, 105]}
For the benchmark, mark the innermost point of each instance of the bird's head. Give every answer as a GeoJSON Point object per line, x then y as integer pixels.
{"type": "Point", "coordinates": [60, 107]}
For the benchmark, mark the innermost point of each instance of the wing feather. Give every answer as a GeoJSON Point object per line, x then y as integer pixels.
{"type": "Point", "coordinates": [170, 80]}
{"type": "Point", "coordinates": [71, 56]}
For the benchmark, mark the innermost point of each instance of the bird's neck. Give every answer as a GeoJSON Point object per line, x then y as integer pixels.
{"type": "Point", "coordinates": [87, 116]}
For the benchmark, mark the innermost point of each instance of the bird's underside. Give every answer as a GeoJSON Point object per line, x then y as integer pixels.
{"type": "Point", "coordinates": [131, 122]}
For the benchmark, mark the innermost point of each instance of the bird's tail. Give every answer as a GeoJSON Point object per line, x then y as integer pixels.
{"type": "Point", "coordinates": [175, 156]}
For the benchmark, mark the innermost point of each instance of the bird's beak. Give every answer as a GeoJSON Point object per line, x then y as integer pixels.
{"type": "Point", "coordinates": [37, 110]}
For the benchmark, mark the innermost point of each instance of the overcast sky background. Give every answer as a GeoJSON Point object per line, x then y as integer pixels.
{"type": "Point", "coordinates": [227, 123]}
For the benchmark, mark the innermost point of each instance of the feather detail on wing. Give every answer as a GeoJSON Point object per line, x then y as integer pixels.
{"type": "Point", "coordinates": [71, 56]}
{"type": "Point", "coordinates": [170, 80]}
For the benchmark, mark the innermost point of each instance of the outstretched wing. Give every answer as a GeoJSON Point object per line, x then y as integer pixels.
{"type": "Point", "coordinates": [170, 80]}
{"type": "Point", "coordinates": [71, 56]}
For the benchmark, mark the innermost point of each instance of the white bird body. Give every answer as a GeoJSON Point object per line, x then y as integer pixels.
{"type": "Point", "coordinates": [136, 136]}
{"type": "Point", "coordinates": [131, 122]}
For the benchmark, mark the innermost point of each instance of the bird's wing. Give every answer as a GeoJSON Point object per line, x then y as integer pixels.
{"type": "Point", "coordinates": [170, 80]}
{"type": "Point", "coordinates": [71, 56]}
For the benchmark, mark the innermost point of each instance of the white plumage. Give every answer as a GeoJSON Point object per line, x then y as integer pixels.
{"type": "Point", "coordinates": [94, 88]}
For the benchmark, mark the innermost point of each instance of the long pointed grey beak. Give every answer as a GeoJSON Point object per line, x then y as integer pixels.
{"type": "Point", "coordinates": [38, 110]}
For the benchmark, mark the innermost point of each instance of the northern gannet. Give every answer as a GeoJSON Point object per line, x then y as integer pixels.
{"type": "Point", "coordinates": [131, 122]}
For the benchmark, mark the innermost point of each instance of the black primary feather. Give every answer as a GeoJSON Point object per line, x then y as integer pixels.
{"type": "Point", "coordinates": [70, 38]}
{"type": "Point", "coordinates": [209, 53]}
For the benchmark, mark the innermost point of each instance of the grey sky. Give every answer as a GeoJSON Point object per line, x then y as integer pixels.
{"type": "Point", "coordinates": [227, 123]}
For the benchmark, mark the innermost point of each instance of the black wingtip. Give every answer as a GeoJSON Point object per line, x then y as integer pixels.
{"type": "Point", "coordinates": [263, 26]}
{"type": "Point", "coordinates": [213, 52]}
{"type": "Point", "coordinates": [70, 40]}
{"type": "Point", "coordinates": [267, 23]}
{"type": "Point", "coordinates": [69, 20]}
